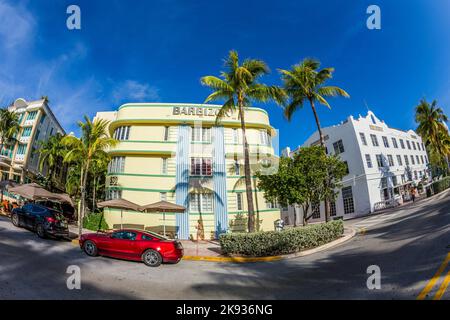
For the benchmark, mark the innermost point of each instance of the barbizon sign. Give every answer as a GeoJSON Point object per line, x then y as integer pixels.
{"type": "Point", "coordinates": [197, 111]}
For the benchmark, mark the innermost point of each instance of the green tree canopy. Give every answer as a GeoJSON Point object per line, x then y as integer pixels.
{"type": "Point", "coordinates": [299, 180]}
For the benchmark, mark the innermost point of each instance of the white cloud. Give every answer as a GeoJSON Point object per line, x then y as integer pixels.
{"type": "Point", "coordinates": [72, 89]}
{"type": "Point", "coordinates": [16, 27]}
{"type": "Point", "coordinates": [134, 91]}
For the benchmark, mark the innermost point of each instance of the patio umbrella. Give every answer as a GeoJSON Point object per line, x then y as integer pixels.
{"type": "Point", "coordinates": [31, 191]}
{"type": "Point", "coordinates": [121, 204]}
{"type": "Point", "coordinates": [164, 206]}
{"type": "Point", "coordinates": [62, 197]}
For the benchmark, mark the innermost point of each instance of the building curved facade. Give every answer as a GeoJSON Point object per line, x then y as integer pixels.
{"type": "Point", "coordinates": [177, 153]}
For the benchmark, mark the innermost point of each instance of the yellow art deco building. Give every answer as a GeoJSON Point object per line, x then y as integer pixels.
{"type": "Point", "coordinates": [177, 153]}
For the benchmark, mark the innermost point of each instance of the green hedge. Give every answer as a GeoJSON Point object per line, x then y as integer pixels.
{"type": "Point", "coordinates": [441, 185]}
{"type": "Point", "coordinates": [271, 243]}
{"type": "Point", "coordinates": [95, 221]}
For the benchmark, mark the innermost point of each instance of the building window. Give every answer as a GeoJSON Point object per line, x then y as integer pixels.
{"type": "Point", "coordinates": [402, 144]}
{"type": "Point", "coordinates": [399, 160]}
{"type": "Point", "coordinates": [363, 138]}
{"type": "Point", "coordinates": [374, 140]}
{"type": "Point", "coordinates": [390, 160]}
{"type": "Point", "coordinates": [114, 194]}
{"type": "Point", "coordinates": [32, 115]}
{"type": "Point", "coordinates": [417, 159]}
{"type": "Point", "coordinates": [122, 133]}
{"type": "Point", "coordinates": [415, 175]}
{"type": "Point", "coordinates": [408, 144]}
{"type": "Point", "coordinates": [166, 133]}
{"type": "Point", "coordinates": [164, 166]}
{"type": "Point", "coordinates": [369, 161]}
{"type": "Point", "coordinates": [315, 210]}
{"type": "Point", "coordinates": [200, 134]}
{"type": "Point", "coordinates": [239, 201]}
{"type": "Point", "coordinates": [423, 147]}
{"type": "Point", "coordinates": [373, 119]}
{"type": "Point", "coordinates": [338, 147]}
{"type": "Point", "coordinates": [332, 209]}
{"type": "Point", "coordinates": [394, 180]}
{"type": "Point", "coordinates": [412, 160]}
{"type": "Point", "coordinates": [21, 149]}
{"type": "Point", "coordinates": [385, 142]}
{"type": "Point", "coordinates": [347, 197]}
{"type": "Point", "coordinates": [201, 202]}
{"type": "Point", "coordinates": [380, 161]}
{"type": "Point", "coordinates": [271, 205]}
{"type": "Point", "coordinates": [414, 145]}
{"type": "Point", "coordinates": [421, 159]}
{"type": "Point", "coordinates": [426, 159]}
{"type": "Point", "coordinates": [43, 116]}
{"type": "Point", "coordinates": [394, 143]}
{"type": "Point", "coordinates": [26, 132]}
{"type": "Point", "coordinates": [163, 196]}
{"type": "Point", "coordinates": [264, 137]}
{"type": "Point", "coordinates": [116, 165]}
{"type": "Point", "coordinates": [237, 168]}
{"type": "Point", "coordinates": [201, 166]}
{"type": "Point", "coordinates": [347, 171]}
{"type": "Point", "coordinates": [235, 136]}
{"type": "Point", "coordinates": [406, 160]}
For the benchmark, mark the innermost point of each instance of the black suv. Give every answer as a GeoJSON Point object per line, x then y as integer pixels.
{"type": "Point", "coordinates": [40, 219]}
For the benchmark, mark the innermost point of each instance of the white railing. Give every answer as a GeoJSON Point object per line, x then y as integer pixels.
{"type": "Point", "coordinates": [391, 203]}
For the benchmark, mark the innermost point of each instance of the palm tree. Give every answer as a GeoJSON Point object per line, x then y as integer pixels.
{"type": "Point", "coordinates": [306, 82]}
{"type": "Point", "coordinates": [99, 169]}
{"type": "Point", "coordinates": [431, 127]}
{"type": "Point", "coordinates": [51, 153]}
{"type": "Point", "coordinates": [93, 144]}
{"type": "Point", "coordinates": [238, 86]}
{"type": "Point", "coordinates": [9, 127]}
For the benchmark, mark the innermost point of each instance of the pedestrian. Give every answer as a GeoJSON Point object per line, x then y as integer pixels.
{"type": "Point", "coordinates": [413, 194]}
{"type": "Point", "coordinates": [200, 230]}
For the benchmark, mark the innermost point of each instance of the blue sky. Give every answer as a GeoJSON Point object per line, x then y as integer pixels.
{"type": "Point", "coordinates": [158, 50]}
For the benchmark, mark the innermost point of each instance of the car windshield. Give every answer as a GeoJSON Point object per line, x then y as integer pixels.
{"type": "Point", "coordinates": [158, 236]}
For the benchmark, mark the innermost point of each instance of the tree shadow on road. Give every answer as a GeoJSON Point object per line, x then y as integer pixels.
{"type": "Point", "coordinates": [408, 251]}
{"type": "Point", "coordinates": [27, 272]}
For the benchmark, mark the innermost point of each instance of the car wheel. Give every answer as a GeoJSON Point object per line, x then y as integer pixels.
{"type": "Point", "coordinates": [90, 248]}
{"type": "Point", "coordinates": [40, 231]}
{"type": "Point", "coordinates": [152, 258]}
{"type": "Point", "coordinates": [15, 220]}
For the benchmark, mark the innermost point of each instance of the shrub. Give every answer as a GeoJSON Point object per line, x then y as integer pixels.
{"type": "Point", "coordinates": [441, 185]}
{"type": "Point", "coordinates": [95, 221]}
{"type": "Point", "coordinates": [271, 243]}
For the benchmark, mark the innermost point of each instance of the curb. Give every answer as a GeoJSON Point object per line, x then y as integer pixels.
{"type": "Point", "coordinates": [275, 258]}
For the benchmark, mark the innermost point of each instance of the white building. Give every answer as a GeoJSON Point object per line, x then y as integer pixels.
{"type": "Point", "coordinates": [20, 160]}
{"type": "Point", "coordinates": [383, 164]}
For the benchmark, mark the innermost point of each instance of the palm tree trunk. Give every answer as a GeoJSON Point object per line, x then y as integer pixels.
{"type": "Point", "coordinates": [322, 144]}
{"type": "Point", "coordinates": [93, 194]}
{"type": "Point", "coordinates": [247, 172]}
{"type": "Point", "coordinates": [80, 212]}
{"type": "Point", "coordinates": [84, 175]}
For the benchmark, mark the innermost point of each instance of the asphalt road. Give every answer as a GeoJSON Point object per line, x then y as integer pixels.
{"type": "Point", "coordinates": [408, 246]}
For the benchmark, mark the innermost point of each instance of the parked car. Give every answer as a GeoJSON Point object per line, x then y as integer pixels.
{"type": "Point", "coordinates": [136, 245]}
{"type": "Point", "coordinates": [66, 209]}
{"type": "Point", "coordinates": [40, 219]}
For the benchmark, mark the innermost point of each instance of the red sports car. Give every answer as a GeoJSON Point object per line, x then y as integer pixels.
{"type": "Point", "coordinates": [136, 245]}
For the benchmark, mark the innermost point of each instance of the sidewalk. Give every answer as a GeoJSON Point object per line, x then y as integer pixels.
{"type": "Point", "coordinates": [406, 205]}
{"type": "Point", "coordinates": [210, 250]}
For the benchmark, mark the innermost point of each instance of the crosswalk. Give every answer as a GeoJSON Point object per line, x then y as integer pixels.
{"type": "Point", "coordinates": [362, 226]}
